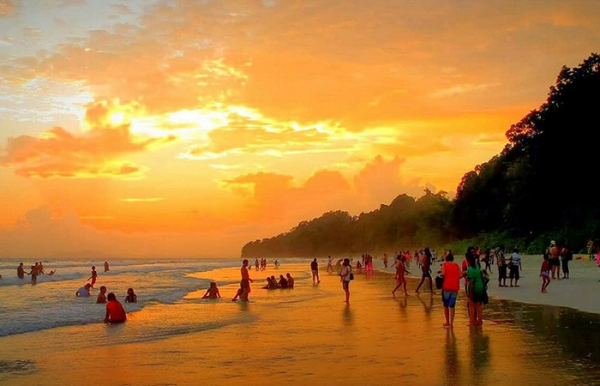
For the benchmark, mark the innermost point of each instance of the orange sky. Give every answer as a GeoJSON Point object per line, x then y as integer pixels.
{"type": "Point", "coordinates": [186, 128]}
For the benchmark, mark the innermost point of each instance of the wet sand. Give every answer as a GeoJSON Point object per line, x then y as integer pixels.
{"type": "Point", "coordinates": [309, 336]}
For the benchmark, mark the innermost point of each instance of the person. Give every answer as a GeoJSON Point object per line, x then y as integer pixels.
{"type": "Point", "coordinates": [314, 267]}
{"type": "Point", "coordinates": [515, 267]}
{"type": "Point", "coordinates": [94, 276]}
{"type": "Point", "coordinates": [41, 269]}
{"type": "Point", "coordinates": [426, 270]}
{"type": "Point", "coordinates": [131, 296]}
{"type": "Point", "coordinates": [283, 283]}
{"type": "Point", "coordinates": [106, 267]}
{"type": "Point", "coordinates": [276, 264]}
{"type": "Point", "coordinates": [20, 271]}
{"type": "Point", "coordinates": [338, 265]}
{"type": "Point", "coordinates": [101, 299]}
{"type": "Point", "coordinates": [554, 260]}
{"type": "Point", "coordinates": [34, 274]}
{"type": "Point", "coordinates": [114, 310]}
{"type": "Point", "coordinates": [385, 260]}
{"type": "Point", "coordinates": [400, 271]}
{"type": "Point", "coordinates": [502, 267]}
{"type": "Point", "coordinates": [51, 273]}
{"type": "Point", "coordinates": [565, 256]}
{"type": "Point", "coordinates": [545, 272]}
{"type": "Point", "coordinates": [246, 280]}
{"type": "Point", "coordinates": [273, 283]}
{"type": "Point", "coordinates": [358, 267]}
{"type": "Point", "coordinates": [475, 292]}
{"type": "Point", "coordinates": [238, 294]}
{"type": "Point", "coordinates": [213, 292]}
{"type": "Point", "coordinates": [83, 292]}
{"type": "Point", "coordinates": [452, 274]}
{"type": "Point", "coordinates": [345, 277]}
{"type": "Point", "coordinates": [290, 280]}
{"type": "Point", "coordinates": [330, 265]}
{"type": "Point", "coordinates": [256, 264]}
{"type": "Point", "coordinates": [487, 259]}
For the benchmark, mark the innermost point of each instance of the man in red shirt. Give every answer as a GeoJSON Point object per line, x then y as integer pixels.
{"type": "Point", "coordinates": [114, 310]}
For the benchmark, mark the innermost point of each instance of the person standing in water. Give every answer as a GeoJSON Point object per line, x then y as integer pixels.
{"type": "Point", "coordinates": [94, 276]}
{"type": "Point", "coordinates": [345, 277]}
{"type": "Point", "coordinates": [451, 273]}
{"type": "Point", "coordinates": [20, 271]}
{"type": "Point", "coordinates": [314, 267]}
{"type": "Point", "coordinates": [106, 267]}
{"type": "Point", "coordinates": [114, 310]}
{"type": "Point", "coordinates": [246, 280]}
{"type": "Point", "coordinates": [426, 270]}
{"type": "Point", "coordinates": [34, 274]}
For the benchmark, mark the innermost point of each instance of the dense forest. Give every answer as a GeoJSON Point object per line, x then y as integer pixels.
{"type": "Point", "coordinates": [544, 185]}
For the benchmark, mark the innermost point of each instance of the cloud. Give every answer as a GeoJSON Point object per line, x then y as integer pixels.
{"type": "Point", "coordinates": [460, 89]}
{"type": "Point", "coordinates": [142, 199]}
{"type": "Point", "coordinates": [7, 7]}
{"type": "Point", "coordinates": [60, 153]}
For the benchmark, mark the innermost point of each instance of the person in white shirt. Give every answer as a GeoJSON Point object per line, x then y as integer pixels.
{"type": "Point", "coordinates": [84, 292]}
{"type": "Point", "coordinates": [345, 277]}
{"type": "Point", "coordinates": [515, 267]}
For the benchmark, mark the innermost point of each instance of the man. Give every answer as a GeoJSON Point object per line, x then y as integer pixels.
{"type": "Point", "coordinates": [426, 270]}
{"type": "Point", "coordinates": [114, 310]}
{"type": "Point", "coordinates": [246, 280]}
{"type": "Point", "coordinates": [21, 271]}
{"type": "Point", "coordinates": [554, 260]}
{"type": "Point", "coordinates": [314, 267]}
{"type": "Point", "coordinates": [515, 267]}
{"type": "Point", "coordinates": [330, 264]}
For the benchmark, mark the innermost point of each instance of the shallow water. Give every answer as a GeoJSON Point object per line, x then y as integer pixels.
{"type": "Point", "coordinates": [308, 336]}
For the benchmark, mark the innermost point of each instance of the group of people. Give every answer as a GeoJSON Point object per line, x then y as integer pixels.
{"type": "Point", "coordinates": [284, 282]}
{"type": "Point", "coordinates": [36, 270]}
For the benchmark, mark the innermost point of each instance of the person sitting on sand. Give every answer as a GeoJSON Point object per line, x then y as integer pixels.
{"type": "Point", "coordinates": [290, 280]}
{"type": "Point", "coordinates": [131, 296]}
{"type": "Point", "coordinates": [545, 272]}
{"type": "Point", "coordinates": [114, 310]}
{"type": "Point", "coordinates": [283, 283]}
{"type": "Point", "coordinates": [273, 283]}
{"type": "Point", "coordinates": [268, 285]}
{"type": "Point", "coordinates": [101, 299]}
{"type": "Point", "coordinates": [83, 292]}
{"type": "Point", "coordinates": [212, 292]}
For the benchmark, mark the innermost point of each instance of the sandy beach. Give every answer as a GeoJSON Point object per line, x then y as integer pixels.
{"type": "Point", "coordinates": [309, 336]}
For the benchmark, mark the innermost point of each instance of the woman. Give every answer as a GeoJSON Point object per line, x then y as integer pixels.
{"type": "Point", "coordinates": [475, 292]}
{"type": "Point", "coordinates": [114, 310]}
{"type": "Point", "coordinates": [345, 277]}
{"type": "Point", "coordinates": [451, 273]}
{"type": "Point", "coordinates": [400, 271]}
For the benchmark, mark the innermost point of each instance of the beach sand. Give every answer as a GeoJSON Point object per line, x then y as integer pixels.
{"type": "Point", "coordinates": [308, 336]}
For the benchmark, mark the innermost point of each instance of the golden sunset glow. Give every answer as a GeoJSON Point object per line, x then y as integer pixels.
{"type": "Point", "coordinates": [188, 128]}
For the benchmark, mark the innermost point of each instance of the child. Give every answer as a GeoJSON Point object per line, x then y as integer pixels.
{"type": "Point", "coordinates": [213, 292]}
{"type": "Point", "coordinates": [94, 276]}
{"type": "Point", "coordinates": [101, 299]}
{"type": "Point", "coordinates": [239, 293]}
{"type": "Point", "coordinates": [114, 310]}
{"type": "Point", "coordinates": [545, 272]}
{"type": "Point", "coordinates": [131, 296]}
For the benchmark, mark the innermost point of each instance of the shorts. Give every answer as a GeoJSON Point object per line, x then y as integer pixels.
{"type": "Point", "coordinates": [449, 298]}
{"type": "Point", "coordinates": [426, 274]}
{"type": "Point", "coordinates": [478, 297]}
{"type": "Point", "coordinates": [346, 285]}
{"type": "Point", "coordinates": [502, 272]}
{"type": "Point", "coordinates": [315, 272]}
{"type": "Point", "coordinates": [514, 272]}
{"type": "Point", "coordinates": [555, 262]}
{"type": "Point", "coordinates": [546, 274]}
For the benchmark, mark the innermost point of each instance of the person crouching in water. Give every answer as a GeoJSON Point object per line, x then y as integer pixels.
{"type": "Point", "coordinates": [545, 272]}
{"type": "Point", "coordinates": [101, 296]}
{"type": "Point", "coordinates": [212, 292]}
{"type": "Point", "coordinates": [131, 296]}
{"type": "Point", "coordinates": [114, 310]}
{"type": "Point", "coordinates": [290, 280]}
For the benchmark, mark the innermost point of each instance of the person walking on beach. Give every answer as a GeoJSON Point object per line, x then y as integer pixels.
{"type": "Point", "coordinates": [106, 267]}
{"type": "Point", "coordinates": [565, 256]}
{"type": "Point", "coordinates": [476, 292]}
{"type": "Point", "coordinates": [114, 310]}
{"type": "Point", "coordinates": [256, 264]}
{"type": "Point", "coordinates": [545, 272]}
{"type": "Point", "coordinates": [426, 270]}
{"type": "Point", "coordinates": [554, 260]}
{"type": "Point", "coordinates": [330, 265]}
{"type": "Point", "coordinates": [400, 271]}
{"type": "Point", "coordinates": [314, 268]}
{"type": "Point", "coordinates": [515, 267]}
{"type": "Point", "coordinates": [20, 271]}
{"type": "Point", "coordinates": [451, 273]}
{"type": "Point", "coordinates": [246, 280]}
{"type": "Point", "coordinates": [94, 276]}
{"type": "Point", "coordinates": [345, 277]}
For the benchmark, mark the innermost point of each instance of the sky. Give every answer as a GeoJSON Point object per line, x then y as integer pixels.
{"type": "Point", "coordinates": [186, 128]}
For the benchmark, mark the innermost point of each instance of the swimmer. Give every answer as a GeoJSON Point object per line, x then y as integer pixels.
{"type": "Point", "coordinates": [94, 276]}
{"type": "Point", "coordinates": [83, 292]}
{"type": "Point", "coordinates": [212, 292]}
{"type": "Point", "coordinates": [101, 296]}
{"type": "Point", "coordinates": [114, 310]}
{"type": "Point", "coordinates": [131, 296]}
{"type": "Point", "coordinates": [51, 273]}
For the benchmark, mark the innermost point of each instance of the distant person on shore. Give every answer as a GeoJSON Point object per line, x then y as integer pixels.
{"type": "Point", "coordinates": [385, 260]}
{"type": "Point", "coordinates": [83, 292]}
{"type": "Point", "coordinates": [246, 280]}
{"type": "Point", "coordinates": [554, 260]}
{"type": "Point", "coordinates": [114, 310]}
{"type": "Point", "coordinates": [34, 274]}
{"type": "Point", "coordinates": [476, 292]}
{"type": "Point", "coordinates": [213, 292]}
{"type": "Point", "coordinates": [101, 299]}
{"type": "Point", "coordinates": [515, 267]}
{"type": "Point", "coordinates": [257, 264]}
{"type": "Point", "coordinates": [358, 267]}
{"type": "Point", "coordinates": [338, 265]}
{"type": "Point", "coordinates": [273, 282]}
{"type": "Point", "coordinates": [94, 276]}
{"type": "Point", "coordinates": [330, 265]}
{"type": "Point", "coordinates": [314, 268]}
{"type": "Point", "coordinates": [106, 267]}
{"type": "Point", "coordinates": [426, 270]}
{"type": "Point", "coordinates": [290, 280]}
{"type": "Point", "coordinates": [565, 256]}
{"type": "Point", "coordinates": [545, 272]}
{"type": "Point", "coordinates": [277, 264]}
{"type": "Point", "coordinates": [345, 277]}
{"type": "Point", "coordinates": [487, 259]}
{"type": "Point", "coordinates": [400, 271]}
{"type": "Point", "coordinates": [502, 267]}
{"type": "Point", "coordinates": [131, 296]}
{"type": "Point", "coordinates": [20, 271]}
{"type": "Point", "coordinates": [452, 274]}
